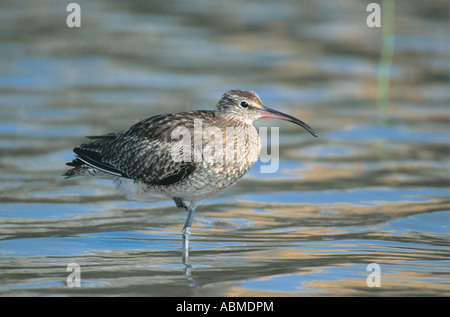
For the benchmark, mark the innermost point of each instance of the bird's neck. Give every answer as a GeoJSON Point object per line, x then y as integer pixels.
{"type": "Point", "coordinates": [233, 121]}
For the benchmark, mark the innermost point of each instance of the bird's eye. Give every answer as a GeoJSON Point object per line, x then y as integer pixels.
{"type": "Point", "coordinates": [244, 104]}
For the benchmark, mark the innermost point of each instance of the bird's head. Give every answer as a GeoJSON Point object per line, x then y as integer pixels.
{"type": "Point", "coordinates": [246, 106]}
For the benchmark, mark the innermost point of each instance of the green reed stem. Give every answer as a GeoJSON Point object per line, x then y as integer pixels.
{"type": "Point", "coordinates": [385, 65]}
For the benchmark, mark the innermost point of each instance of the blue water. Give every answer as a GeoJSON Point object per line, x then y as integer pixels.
{"type": "Point", "coordinates": [365, 191]}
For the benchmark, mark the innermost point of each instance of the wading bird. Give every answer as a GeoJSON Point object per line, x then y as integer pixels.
{"type": "Point", "coordinates": [186, 157]}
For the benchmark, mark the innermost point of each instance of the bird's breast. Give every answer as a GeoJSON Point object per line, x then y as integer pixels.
{"type": "Point", "coordinates": [223, 156]}
{"type": "Point", "coordinates": [225, 147]}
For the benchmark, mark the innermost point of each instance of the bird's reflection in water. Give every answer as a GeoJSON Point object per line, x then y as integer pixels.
{"type": "Point", "coordinates": [190, 280]}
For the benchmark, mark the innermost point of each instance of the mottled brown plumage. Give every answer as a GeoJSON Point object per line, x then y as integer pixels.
{"type": "Point", "coordinates": [188, 156]}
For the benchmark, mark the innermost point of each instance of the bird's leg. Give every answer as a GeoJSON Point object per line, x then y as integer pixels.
{"type": "Point", "coordinates": [187, 232]}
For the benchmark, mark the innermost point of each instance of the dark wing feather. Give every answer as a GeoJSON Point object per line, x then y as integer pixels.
{"type": "Point", "coordinates": [143, 152]}
{"type": "Point", "coordinates": [94, 159]}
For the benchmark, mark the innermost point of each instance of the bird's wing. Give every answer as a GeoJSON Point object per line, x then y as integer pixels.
{"type": "Point", "coordinates": [143, 152]}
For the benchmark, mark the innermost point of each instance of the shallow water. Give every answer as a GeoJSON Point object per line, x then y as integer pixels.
{"type": "Point", "coordinates": [373, 188]}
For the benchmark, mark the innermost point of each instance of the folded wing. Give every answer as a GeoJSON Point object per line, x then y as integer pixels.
{"type": "Point", "coordinates": [142, 153]}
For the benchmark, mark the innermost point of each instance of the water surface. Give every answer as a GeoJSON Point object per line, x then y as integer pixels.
{"type": "Point", "coordinates": [373, 188]}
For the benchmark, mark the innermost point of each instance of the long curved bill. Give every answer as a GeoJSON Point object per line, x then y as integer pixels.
{"type": "Point", "coordinates": [270, 113]}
